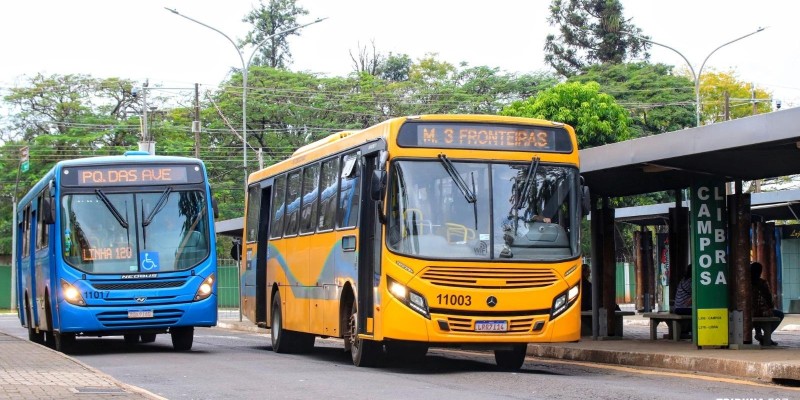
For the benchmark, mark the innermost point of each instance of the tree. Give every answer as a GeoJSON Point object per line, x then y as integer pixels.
{"type": "Point", "coordinates": [741, 97]}
{"type": "Point", "coordinates": [596, 117]}
{"type": "Point", "coordinates": [658, 100]}
{"type": "Point", "coordinates": [267, 20]}
{"type": "Point", "coordinates": [590, 32]}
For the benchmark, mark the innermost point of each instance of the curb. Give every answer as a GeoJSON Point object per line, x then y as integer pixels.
{"type": "Point", "coordinates": [745, 369]}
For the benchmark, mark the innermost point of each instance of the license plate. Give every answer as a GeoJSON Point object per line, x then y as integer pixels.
{"type": "Point", "coordinates": [491, 326]}
{"type": "Point", "coordinates": [140, 314]}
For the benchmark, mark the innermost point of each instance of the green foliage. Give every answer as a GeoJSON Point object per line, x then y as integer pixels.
{"type": "Point", "coordinates": [267, 20]}
{"type": "Point", "coordinates": [590, 32]}
{"type": "Point", "coordinates": [596, 117]}
{"type": "Point", "coordinates": [658, 101]}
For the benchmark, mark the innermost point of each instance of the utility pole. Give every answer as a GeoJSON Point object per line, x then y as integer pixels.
{"type": "Point", "coordinates": [196, 122]}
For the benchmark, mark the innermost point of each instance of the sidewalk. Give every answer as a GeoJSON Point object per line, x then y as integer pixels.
{"type": "Point", "coordinates": [32, 371]}
{"type": "Point", "coordinates": [635, 349]}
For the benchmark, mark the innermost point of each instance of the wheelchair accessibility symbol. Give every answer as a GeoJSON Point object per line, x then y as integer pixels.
{"type": "Point", "coordinates": [148, 260]}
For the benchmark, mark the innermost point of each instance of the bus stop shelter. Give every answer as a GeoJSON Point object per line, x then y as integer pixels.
{"type": "Point", "coordinates": [757, 147]}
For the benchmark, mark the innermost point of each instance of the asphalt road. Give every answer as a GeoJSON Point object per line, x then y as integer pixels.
{"type": "Point", "coordinates": [233, 364]}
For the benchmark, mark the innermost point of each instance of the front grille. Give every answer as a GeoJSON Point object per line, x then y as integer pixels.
{"type": "Point", "coordinates": [515, 325]}
{"type": "Point", "coordinates": [119, 319]}
{"type": "Point", "coordinates": [138, 285]}
{"type": "Point", "coordinates": [489, 278]}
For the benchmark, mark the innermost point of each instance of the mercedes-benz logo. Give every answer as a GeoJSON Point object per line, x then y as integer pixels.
{"type": "Point", "coordinates": [491, 301]}
{"type": "Point", "coordinates": [140, 299]}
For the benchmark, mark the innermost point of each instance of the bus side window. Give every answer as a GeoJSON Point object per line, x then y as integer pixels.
{"type": "Point", "coordinates": [349, 192]}
{"type": "Point", "coordinates": [293, 203]}
{"type": "Point", "coordinates": [278, 210]}
{"type": "Point", "coordinates": [26, 229]}
{"type": "Point", "coordinates": [253, 208]}
{"type": "Point", "coordinates": [308, 214]}
{"type": "Point", "coordinates": [328, 189]}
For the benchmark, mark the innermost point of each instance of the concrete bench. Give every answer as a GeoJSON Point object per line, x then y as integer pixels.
{"type": "Point", "coordinates": [586, 321]}
{"type": "Point", "coordinates": [765, 324]}
{"type": "Point", "coordinates": [673, 322]}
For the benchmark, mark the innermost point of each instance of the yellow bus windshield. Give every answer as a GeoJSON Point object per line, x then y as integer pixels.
{"type": "Point", "coordinates": [483, 211]}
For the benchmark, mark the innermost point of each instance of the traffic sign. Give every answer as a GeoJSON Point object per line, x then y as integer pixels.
{"type": "Point", "coordinates": [23, 154]}
{"type": "Point", "coordinates": [26, 165]}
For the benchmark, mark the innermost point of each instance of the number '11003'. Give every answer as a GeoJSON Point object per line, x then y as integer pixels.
{"type": "Point", "coordinates": [454, 300]}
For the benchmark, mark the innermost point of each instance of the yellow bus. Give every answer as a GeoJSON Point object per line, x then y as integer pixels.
{"type": "Point", "coordinates": [422, 231]}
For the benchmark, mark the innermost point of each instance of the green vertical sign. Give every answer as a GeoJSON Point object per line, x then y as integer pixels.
{"type": "Point", "coordinates": [709, 263]}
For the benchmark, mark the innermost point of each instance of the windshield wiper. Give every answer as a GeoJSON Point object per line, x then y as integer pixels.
{"type": "Point", "coordinates": [111, 208]}
{"type": "Point", "coordinates": [462, 186]}
{"type": "Point", "coordinates": [525, 189]}
{"type": "Point", "coordinates": [161, 202]}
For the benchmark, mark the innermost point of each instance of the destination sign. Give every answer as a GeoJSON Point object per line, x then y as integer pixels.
{"type": "Point", "coordinates": [107, 253]}
{"type": "Point", "coordinates": [484, 137]}
{"type": "Point", "coordinates": [130, 175]}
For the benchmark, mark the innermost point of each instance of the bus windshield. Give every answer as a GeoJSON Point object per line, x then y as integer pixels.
{"type": "Point", "coordinates": [516, 211]}
{"type": "Point", "coordinates": [119, 233]}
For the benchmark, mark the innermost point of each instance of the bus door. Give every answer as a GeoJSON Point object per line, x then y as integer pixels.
{"type": "Point", "coordinates": [369, 239]}
{"type": "Point", "coordinates": [255, 274]}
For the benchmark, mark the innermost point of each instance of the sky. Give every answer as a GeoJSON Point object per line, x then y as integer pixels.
{"type": "Point", "coordinates": [141, 40]}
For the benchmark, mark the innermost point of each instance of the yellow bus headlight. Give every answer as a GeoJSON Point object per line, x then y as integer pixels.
{"type": "Point", "coordinates": [205, 289]}
{"type": "Point", "coordinates": [71, 294]}
{"type": "Point", "coordinates": [410, 298]}
{"type": "Point", "coordinates": [563, 301]}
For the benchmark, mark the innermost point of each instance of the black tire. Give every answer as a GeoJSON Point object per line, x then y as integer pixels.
{"type": "Point", "coordinates": [131, 339]}
{"type": "Point", "coordinates": [511, 360]}
{"type": "Point", "coordinates": [406, 351]}
{"type": "Point", "coordinates": [33, 336]}
{"type": "Point", "coordinates": [63, 342]}
{"type": "Point", "coordinates": [182, 338]}
{"type": "Point", "coordinates": [365, 353]}
{"type": "Point", "coordinates": [148, 337]}
{"type": "Point", "coordinates": [285, 341]}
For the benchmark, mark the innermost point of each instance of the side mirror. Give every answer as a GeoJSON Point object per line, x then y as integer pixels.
{"type": "Point", "coordinates": [236, 250]}
{"type": "Point", "coordinates": [215, 207]}
{"type": "Point", "coordinates": [48, 213]}
{"type": "Point", "coordinates": [586, 200]}
{"type": "Point", "coordinates": [377, 185]}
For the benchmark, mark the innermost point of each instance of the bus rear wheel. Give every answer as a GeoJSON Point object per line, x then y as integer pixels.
{"type": "Point", "coordinates": [365, 353]}
{"type": "Point", "coordinates": [33, 336]}
{"type": "Point", "coordinates": [511, 360]}
{"type": "Point", "coordinates": [286, 341]}
{"type": "Point", "coordinates": [182, 338]}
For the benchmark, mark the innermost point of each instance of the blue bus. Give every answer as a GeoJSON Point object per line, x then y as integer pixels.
{"type": "Point", "coordinates": [117, 245]}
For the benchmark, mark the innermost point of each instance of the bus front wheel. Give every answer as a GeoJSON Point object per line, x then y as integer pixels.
{"type": "Point", "coordinates": [365, 353]}
{"type": "Point", "coordinates": [63, 342]}
{"type": "Point", "coordinates": [511, 360]}
{"type": "Point", "coordinates": [182, 338]}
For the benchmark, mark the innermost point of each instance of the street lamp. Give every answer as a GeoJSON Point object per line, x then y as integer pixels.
{"type": "Point", "coordinates": [695, 76]}
{"type": "Point", "coordinates": [245, 70]}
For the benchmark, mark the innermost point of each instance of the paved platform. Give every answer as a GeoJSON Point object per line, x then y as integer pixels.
{"type": "Point", "coordinates": [32, 371]}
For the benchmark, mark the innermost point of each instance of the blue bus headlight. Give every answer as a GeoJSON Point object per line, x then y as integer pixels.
{"type": "Point", "coordinates": [410, 298]}
{"type": "Point", "coordinates": [71, 294]}
{"type": "Point", "coordinates": [562, 302]}
{"type": "Point", "coordinates": [205, 289]}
